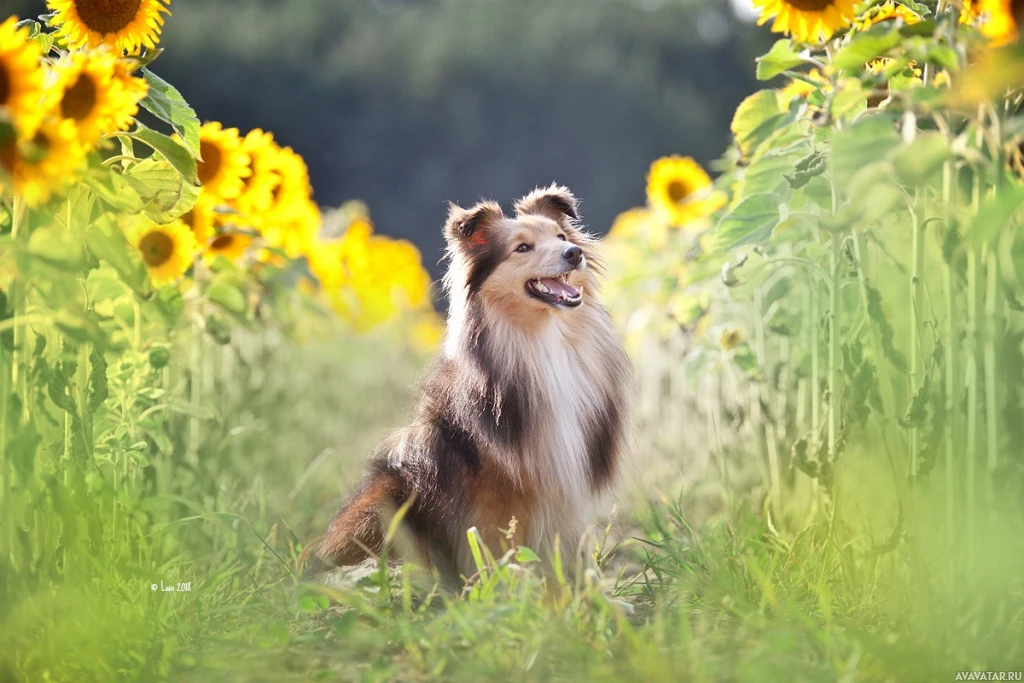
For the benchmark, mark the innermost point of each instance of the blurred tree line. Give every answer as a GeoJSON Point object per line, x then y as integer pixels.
{"type": "Point", "coordinates": [407, 104]}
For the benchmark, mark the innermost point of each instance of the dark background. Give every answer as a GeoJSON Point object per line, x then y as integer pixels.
{"type": "Point", "coordinates": [407, 104]}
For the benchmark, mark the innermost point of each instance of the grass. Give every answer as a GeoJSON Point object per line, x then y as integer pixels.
{"type": "Point", "coordinates": [685, 584]}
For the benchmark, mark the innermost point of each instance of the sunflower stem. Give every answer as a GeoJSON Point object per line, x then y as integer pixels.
{"type": "Point", "coordinates": [917, 268]}
{"type": "Point", "coordinates": [952, 354]}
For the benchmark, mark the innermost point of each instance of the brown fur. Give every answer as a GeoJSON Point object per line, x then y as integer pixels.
{"type": "Point", "coordinates": [524, 413]}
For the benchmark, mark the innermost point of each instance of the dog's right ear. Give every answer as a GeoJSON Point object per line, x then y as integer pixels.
{"type": "Point", "coordinates": [472, 226]}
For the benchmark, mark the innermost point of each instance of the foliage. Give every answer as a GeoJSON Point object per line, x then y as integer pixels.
{"type": "Point", "coordinates": [860, 290]}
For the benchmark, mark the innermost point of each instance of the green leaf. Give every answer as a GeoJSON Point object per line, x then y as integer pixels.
{"type": "Point", "coordinates": [916, 162]}
{"type": "Point", "coordinates": [996, 216]}
{"type": "Point", "coordinates": [750, 222]}
{"type": "Point", "coordinates": [57, 246]}
{"type": "Point", "coordinates": [924, 28]}
{"type": "Point", "coordinates": [107, 242]}
{"type": "Point", "coordinates": [767, 173]}
{"type": "Point", "coordinates": [226, 292]}
{"type": "Point", "coordinates": [810, 166]}
{"type": "Point", "coordinates": [868, 45]}
{"type": "Point", "coordinates": [943, 55]}
{"type": "Point", "coordinates": [525, 556]}
{"type": "Point", "coordinates": [867, 141]}
{"type": "Point", "coordinates": [179, 157]}
{"type": "Point", "coordinates": [782, 57]}
{"type": "Point", "coordinates": [916, 7]}
{"type": "Point", "coordinates": [170, 304]}
{"type": "Point", "coordinates": [164, 194]}
{"type": "Point", "coordinates": [114, 191]}
{"type": "Point", "coordinates": [756, 119]}
{"type": "Point", "coordinates": [166, 103]}
{"type": "Point", "coordinates": [873, 193]}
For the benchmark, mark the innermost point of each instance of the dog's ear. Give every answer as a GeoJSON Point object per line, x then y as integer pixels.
{"type": "Point", "coordinates": [555, 201]}
{"type": "Point", "coordinates": [472, 226]}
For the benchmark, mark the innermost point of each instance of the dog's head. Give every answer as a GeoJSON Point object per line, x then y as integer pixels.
{"type": "Point", "coordinates": [537, 262]}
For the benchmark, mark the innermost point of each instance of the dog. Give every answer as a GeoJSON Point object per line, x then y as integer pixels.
{"type": "Point", "coordinates": [522, 426]}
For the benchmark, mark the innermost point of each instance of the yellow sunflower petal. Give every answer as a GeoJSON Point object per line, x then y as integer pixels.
{"type": "Point", "coordinates": [21, 77]}
{"type": "Point", "coordinates": [121, 24]}
{"type": "Point", "coordinates": [808, 21]}
{"type": "Point", "coordinates": [1000, 20]}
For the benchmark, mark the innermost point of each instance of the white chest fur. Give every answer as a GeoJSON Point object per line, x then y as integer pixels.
{"type": "Point", "coordinates": [563, 401]}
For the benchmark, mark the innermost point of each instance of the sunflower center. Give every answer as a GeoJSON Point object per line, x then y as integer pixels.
{"type": "Point", "coordinates": [810, 5]}
{"type": "Point", "coordinates": [107, 16]}
{"type": "Point", "coordinates": [209, 167]}
{"type": "Point", "coordinates": [79, 100]}
{"type": "Point", "coordinates": [1017, 10]}
{"type": "Point", "coordinates": [221, 242]}
{"type": "Point", "coordinates": [156, 248]}
{"type": "Point", "coordinates": [5, 85]}
{"type": "Point", "coordinates": [678, 191]}
{"type": "Point", "coordinates": [8, 153]}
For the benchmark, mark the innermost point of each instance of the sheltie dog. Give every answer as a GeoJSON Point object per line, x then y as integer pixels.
{"type": "Point", "coordinates": [523, 415]}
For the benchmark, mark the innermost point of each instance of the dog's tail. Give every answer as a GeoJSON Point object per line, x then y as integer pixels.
{"type": "Point", "coordinates": [357, 532]}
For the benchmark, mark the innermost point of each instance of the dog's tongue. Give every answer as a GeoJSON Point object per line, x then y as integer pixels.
{"type": "Point", "coordinates": [559, 288]}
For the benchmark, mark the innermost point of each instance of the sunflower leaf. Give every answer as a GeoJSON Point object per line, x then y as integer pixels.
{"type": "Point", "coordinates": [112, 189]}
{"type": "Point", "coordinates": [164, 194]}
{"type": "Point", "coordinates": [107, 243]}
{"type": "Point", "coordinates": [782, 57]}
{"type": "Point", "coordinates": [750, 222]}
{"type": "Point", "coordinates": [916, 162]}
{"type": "Point", "coordinates": [165, 102]}
{"type": "Point", "coordinates": [870, 139]}
{"type": "Point", "coordinates": [996, 216]}
{"type": "Point", "coordinates": [756, 119]}
{"type": "Point", "coordinates": [179, 157]}
{"type": "Point", "coordinates": [866, 46]}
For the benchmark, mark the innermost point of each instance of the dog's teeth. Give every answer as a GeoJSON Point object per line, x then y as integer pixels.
{"type": "Point", "coordinates": [543, 288]}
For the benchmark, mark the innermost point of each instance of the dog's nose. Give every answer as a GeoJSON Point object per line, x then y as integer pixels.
{"type": "Point", "coordinates": [573, 254]}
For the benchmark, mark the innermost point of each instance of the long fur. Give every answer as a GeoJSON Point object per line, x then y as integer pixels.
{"type": "Point", "coordinates": [523, 415]}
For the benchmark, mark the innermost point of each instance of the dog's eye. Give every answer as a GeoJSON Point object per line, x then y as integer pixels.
{"type": "Point", "coordinates": [562, 237]}
{"type": "Point", "coordinates": [524, 247]}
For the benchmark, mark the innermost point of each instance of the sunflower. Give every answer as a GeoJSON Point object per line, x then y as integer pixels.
{"type": "Point", "coordinates": [889, 11]}
{"type": "Point", "coordinates": [21, 77]}
{"type": "Point", "coordinates": [1001, 19]}
{"type": "Point", "coordinates": [167, 249]}
{"type": "Point", "coordinates": [294, 191]}
{"type": "Point", "coordinates": [325, 262]}
{"type": "Point", "coordinates": [121, 24]}
{"type": "Point", "coordinates": [42, 165]}
{"type": "Point", "coordinates": [258, 187]}
{"type": "Point", "coordinates": [294, 231]}
{"type": "Point", "coordinates": [229, 243]}
{"type": "Point", "coordinates": [225, 164]}
{"type": "Point", "coordinates": [808, 21]}
{"type": "Point", "coordinates": [90, 92]}
{"type": "Point", "coordinates": [202, 219]}
{"type": "Point", "coordinates": [640, 226]}
{"type": "Point", "coordinates": [681, 190]}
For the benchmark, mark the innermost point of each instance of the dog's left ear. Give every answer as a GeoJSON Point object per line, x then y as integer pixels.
{"type": "Point", "coordinates": [555, 201]}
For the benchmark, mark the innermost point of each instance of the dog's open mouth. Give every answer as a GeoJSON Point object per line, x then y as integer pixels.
{"type": "Point", "coordinates": [555, 291]}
